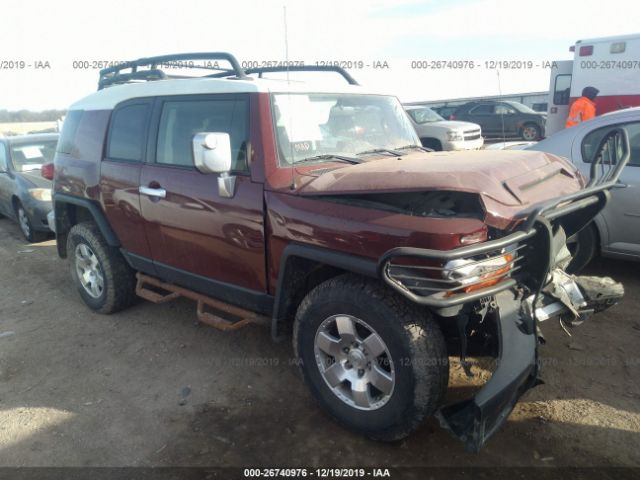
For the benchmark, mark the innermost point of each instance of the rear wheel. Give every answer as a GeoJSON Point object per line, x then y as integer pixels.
{"type": "Point", "coordinates": [583, 247]}
{"type": "Point", "coordinates": [103, 278]}
{"type": "Point", "coordinates": [375, 362]}
{"type": "Point", "coordinates": [531, 132]}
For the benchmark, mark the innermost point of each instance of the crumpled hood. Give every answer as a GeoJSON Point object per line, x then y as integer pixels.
{"type": "Point", "coordinates": [507, 181]}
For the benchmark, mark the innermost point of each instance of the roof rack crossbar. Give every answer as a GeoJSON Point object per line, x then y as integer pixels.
{"type": "Point", "coordinates": [297, 68]}
{"type": "Point", "coordinates": [113, 75]}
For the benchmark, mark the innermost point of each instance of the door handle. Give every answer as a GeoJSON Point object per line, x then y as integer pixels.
{"type": "Point", "coordinates": [153, 192]}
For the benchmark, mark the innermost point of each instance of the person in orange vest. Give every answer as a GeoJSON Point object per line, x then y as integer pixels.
{"type": "Point", "coordinates": [584, 108]}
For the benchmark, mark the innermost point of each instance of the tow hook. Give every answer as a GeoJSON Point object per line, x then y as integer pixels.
{"type": "Point", "coordinates": [574, 298]}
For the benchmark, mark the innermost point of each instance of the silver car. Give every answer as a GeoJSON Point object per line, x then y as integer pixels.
{"type": "Point", "coordinates": [616, 231]}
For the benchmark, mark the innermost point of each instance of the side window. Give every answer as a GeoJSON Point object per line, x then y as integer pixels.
{"type": "Point", "coordinates": [69, 129]}
{"type": "Point", "coordinates": [592, 140]}
{"type": "Point", "coordinates": [502, 109]}
{"type": "Point", "coordinates": [484, 109]}
{"type": "Point", "coordinates": [127, 132]}
{"type": "Point", "coordinates": [181, 120]}
{"type": "Point", "coordinates": [562, 89]}
{"type": "Point", "coordinates": [3, 157]}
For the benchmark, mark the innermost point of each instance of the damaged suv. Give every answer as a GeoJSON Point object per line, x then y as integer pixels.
{"type": "Point", "coordinates": [316, 211]}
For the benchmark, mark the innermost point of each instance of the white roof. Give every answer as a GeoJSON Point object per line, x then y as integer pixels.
{"type": "Point", "coordinates": [109, 97]}
{"type": "Point", "coordinates": [616, 38]}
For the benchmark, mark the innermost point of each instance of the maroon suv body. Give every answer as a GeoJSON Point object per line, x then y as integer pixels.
{"type": "Point", "coordinates": [317, 208]}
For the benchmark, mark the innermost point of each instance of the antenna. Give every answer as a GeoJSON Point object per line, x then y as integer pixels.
{"type": "Point", "coordinates": [504, 139]}
{"type": "Point", "coordinates": [286, 62]}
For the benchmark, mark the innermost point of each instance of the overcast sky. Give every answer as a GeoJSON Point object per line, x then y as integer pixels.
{"type": "Point", "coordinates": [396, 31]}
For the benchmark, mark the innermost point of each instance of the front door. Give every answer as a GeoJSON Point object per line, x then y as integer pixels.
{"type": "Point", "coordinates": [199, 238]}
{"type": "Point", "coordinates": [622, 213]}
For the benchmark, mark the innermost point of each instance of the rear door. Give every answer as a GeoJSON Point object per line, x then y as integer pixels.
{"type": "Point", "coordinates": [120, 176]}
{"type": "Point", "coordinates": [559, 95]}
{"type": "Point", "coordinates": [198, 237]}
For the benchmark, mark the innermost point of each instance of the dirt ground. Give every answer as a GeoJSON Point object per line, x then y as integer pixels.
{"type": "Point", "coordinates": [149, 387]}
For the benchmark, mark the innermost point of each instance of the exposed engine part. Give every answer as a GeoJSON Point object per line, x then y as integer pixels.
{"type": "Point", "coordinates": [577, 297]}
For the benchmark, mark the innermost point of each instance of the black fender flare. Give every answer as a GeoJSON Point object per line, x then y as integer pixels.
{"type": "Point", "coordinates": [60, 199]}
{"type": "Point", "coordinates": [344, 261]}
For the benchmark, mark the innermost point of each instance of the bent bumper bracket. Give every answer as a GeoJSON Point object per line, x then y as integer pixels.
{"type": "Point", "coordinates": [474, 421]}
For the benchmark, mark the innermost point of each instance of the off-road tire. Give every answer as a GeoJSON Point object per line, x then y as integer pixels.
{"type": "Point", "coordinates": [414, 340]}
{"type": "Point", "coordinates": [119, 278]}
{"type": "Point", "coordinates": [583, 249]}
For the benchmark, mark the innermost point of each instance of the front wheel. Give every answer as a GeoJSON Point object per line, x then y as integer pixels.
{"type": "Point", "coordinates": [26, 225]}
{"type": "Point", "coordinates": [375, 362]}
{"type": "Point", "coordinates": [583, 246]}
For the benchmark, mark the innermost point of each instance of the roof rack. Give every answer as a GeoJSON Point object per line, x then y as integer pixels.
{"type": "Point", "coordinates": [114, 76]}
{"type": "Point", "coordinates": [304, 68]}
{"type": "Point", "coordinates": [295, 68]}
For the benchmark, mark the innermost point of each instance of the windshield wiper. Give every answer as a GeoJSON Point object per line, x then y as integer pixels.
{"type": "Point", "coordinates": [329, 156]}
{"type": "Point", "coordinates": [381, 150]}
{"type": "Point", "coordinates": [419, 147]}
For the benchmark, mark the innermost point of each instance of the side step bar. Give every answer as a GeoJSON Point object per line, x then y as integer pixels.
{"type": "Point", "coordinates": [171, 292]}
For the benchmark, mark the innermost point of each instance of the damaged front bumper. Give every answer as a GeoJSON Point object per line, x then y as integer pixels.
{"type": "Point", "coordinates": [534, 287]}
{"type": "Point", "coordinates": [473, 421]}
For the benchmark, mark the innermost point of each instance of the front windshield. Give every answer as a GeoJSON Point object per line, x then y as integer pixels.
{"type": "Point", "coordinates": [310, 126]}
{"type": "Point", "coordinates": [31, 156]}
{"type": "Point", "coordinates": [424, 115]}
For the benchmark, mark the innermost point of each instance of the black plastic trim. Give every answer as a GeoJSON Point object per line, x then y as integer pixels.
{"type": "Point", "coordinates": [473, 421]}
{"type": "Point", "coordinates": [95, 211]}
{"type": "Point", "coordinates": [248, 299]}
{"type": "Point", "coordinates": [350, 263]}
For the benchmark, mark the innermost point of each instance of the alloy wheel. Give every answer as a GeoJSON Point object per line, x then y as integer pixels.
{"type": "Point", "coordinates": [89, 270]}
{"type": "Point", "coordinates": [355, 362]}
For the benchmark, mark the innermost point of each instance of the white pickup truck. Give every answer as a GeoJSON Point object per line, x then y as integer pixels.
{"type": "Point", "coordinates": [439, 134]}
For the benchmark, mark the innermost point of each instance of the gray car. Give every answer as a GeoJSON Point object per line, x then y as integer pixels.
{"type": "Point", "coordinates": [616, 231]}
{"type": "Point", "coordinates": [24, 194]}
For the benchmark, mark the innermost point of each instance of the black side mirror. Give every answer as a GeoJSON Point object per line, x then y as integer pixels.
{"type": "Point", "coordinates": [610, 157]}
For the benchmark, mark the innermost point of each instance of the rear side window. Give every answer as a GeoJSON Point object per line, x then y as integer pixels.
{"type": "Point", "coordinates": [127, 133]}
{"type": "Point", "coordinates": [482, 110]}
{"type": "Point", "coordinates": [181, 120]}
{"type": "Point", "coordinates": [69, 129]}
{"type": "Point", "coordinates": [592, 140]}
{"type": "Point", "coordinates": [562, 89]}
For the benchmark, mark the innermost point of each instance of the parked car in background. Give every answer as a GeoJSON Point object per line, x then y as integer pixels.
{"type": "Point", "coordinates": [446, 111]}
{"type": "Point", "coordinates": [24, 194]}
{"type": "Point", "coordinates": [439, 134]}
{"type": "Point", "coordinates": [503, 119]}
{"type": "Point", "coordinates": [616, 231]}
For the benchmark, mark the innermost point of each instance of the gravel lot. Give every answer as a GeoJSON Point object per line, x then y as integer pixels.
{"type": "Point", "coordinates": [149, 387]}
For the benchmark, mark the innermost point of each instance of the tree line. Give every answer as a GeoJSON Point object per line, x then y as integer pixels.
{"type": "Point", "coordinates": [7, 116]}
